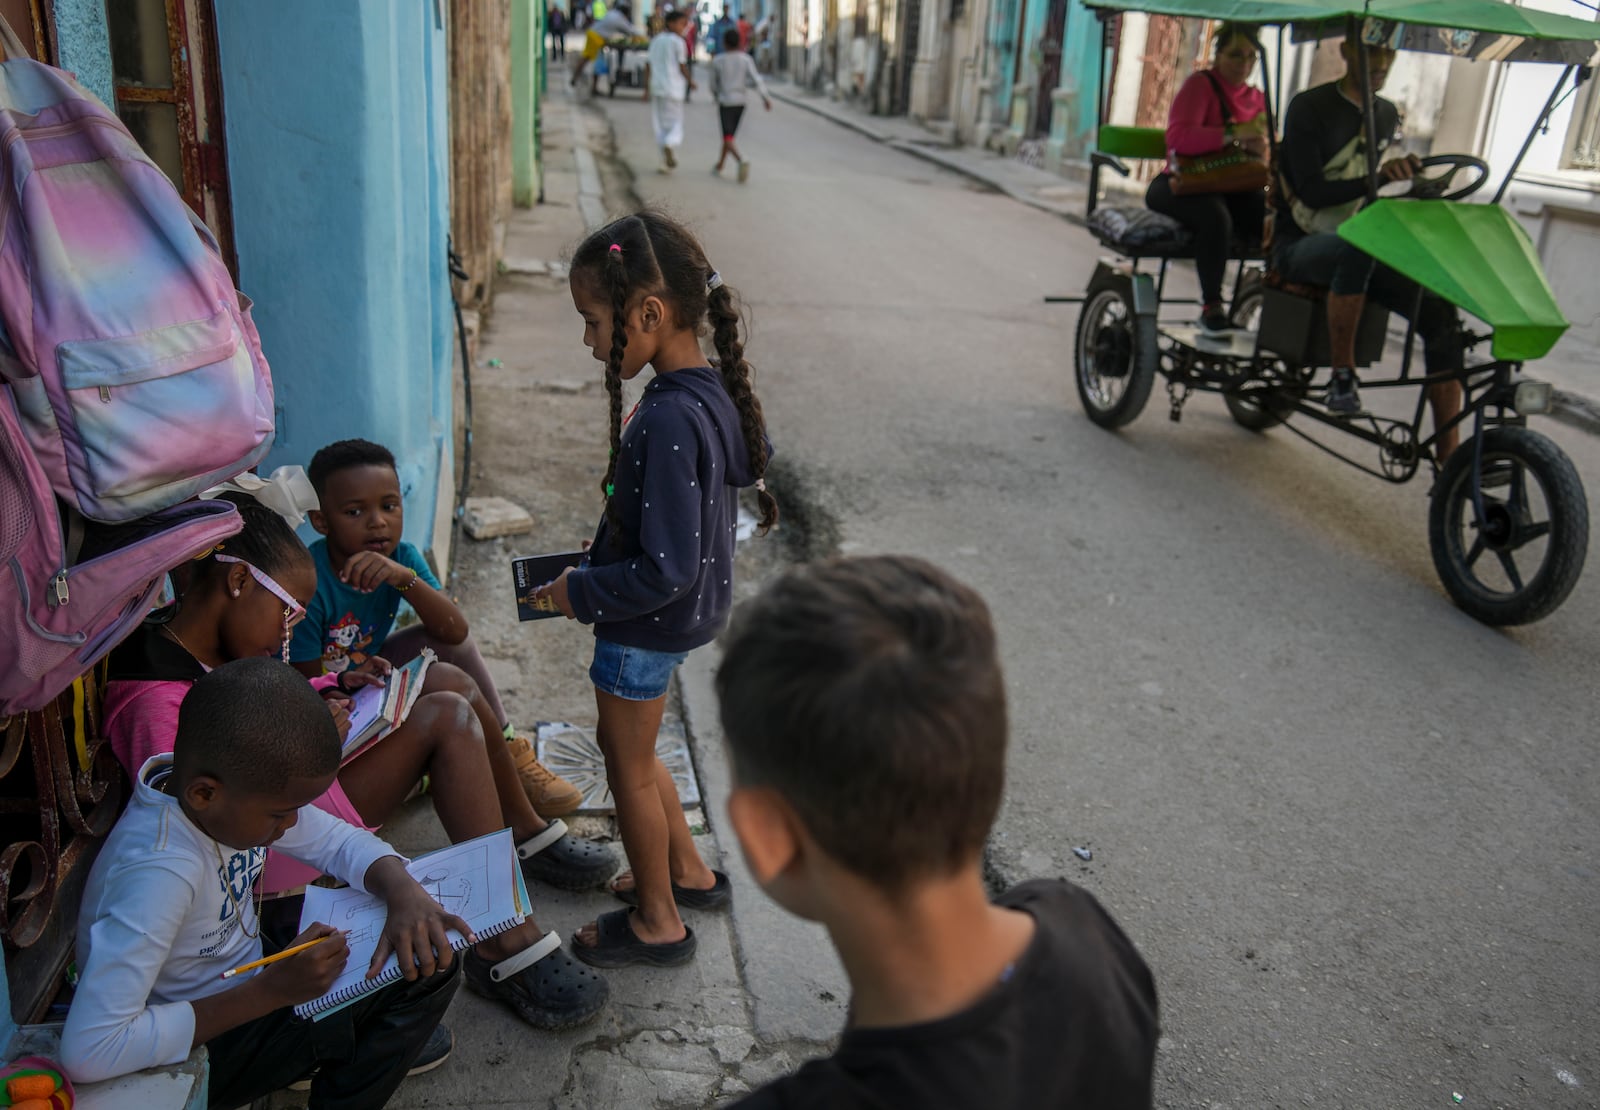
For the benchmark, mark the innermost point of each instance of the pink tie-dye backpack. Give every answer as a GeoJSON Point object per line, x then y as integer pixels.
{"type": "Point", "coordinates": [131, 378]}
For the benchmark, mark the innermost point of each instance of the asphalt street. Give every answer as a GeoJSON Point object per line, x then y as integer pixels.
{"type": "Point", "coordinates": [1353, 831]}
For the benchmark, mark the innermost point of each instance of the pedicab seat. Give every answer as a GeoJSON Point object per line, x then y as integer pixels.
{"type": "Point", "coordinates": [1140, 233]}
{"type": "Point", "coordinates": [1294, 325]}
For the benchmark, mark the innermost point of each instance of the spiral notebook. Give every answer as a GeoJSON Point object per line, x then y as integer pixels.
{"type": "Point", "coordinates": [478, 880]}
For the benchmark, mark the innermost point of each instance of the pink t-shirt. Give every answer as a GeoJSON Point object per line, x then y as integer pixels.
{"type": "Point", "coordinates": [140, 720]}
{"type": "Point", "coordinates": [1194, 123]}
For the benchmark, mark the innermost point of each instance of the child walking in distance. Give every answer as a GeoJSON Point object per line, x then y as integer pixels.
{"type": "Point", "coordinates": [242, 602]}
{"type": "Point", "coordinates": [657, 581]}
{"type": "Point", "coordinates": [667, 84]}
{"type": "Point", "coordinates": [865, 719]}
{"type": "Point", "coordinates": [168, 908]}
{"type": "Point", "coordinates": [732, 72]}
{"type": "Point", "coordinates": [364, 571]}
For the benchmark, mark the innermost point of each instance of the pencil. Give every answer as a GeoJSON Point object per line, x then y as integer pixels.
{"type": "Point", "coordinates": [275, 957]}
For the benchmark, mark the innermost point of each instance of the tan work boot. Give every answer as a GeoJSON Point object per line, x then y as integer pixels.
{"type": "Point", "coordinates": [551, 795]}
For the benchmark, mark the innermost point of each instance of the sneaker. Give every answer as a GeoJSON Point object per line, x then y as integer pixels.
{"type": "Point", "coordinates": [551, 795]}
{"type": "Point", "coordinates": [1342, 398]}
{"type": "Point", "coordinates": [434, 1051]}
{"type": "Point", "coordinates": [744, 172]}
{"type": "Point", "coordinates": [1215, 322]}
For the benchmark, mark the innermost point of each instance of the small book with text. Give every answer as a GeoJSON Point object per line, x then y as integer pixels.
{"type": "Point", "coordinates": [529, 572]}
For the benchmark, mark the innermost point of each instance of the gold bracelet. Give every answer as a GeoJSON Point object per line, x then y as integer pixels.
{"type": "Point", "coordinates": [414, 579]}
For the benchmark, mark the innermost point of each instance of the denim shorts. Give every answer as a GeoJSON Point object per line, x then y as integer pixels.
{"type": "Point", "coordinates": [633, 673]}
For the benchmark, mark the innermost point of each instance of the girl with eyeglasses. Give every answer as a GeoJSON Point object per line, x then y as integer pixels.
{"type": "Point", "coordinates": [1214, 108]}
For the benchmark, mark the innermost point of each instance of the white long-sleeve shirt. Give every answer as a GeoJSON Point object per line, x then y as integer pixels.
{"type": "Point", "coordinates": [161, 921]}
{"type": "Point", "coordinates": [732, 72]}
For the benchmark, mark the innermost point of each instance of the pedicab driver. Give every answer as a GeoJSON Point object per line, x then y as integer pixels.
{"type": "Point", "coordinates": [1323, 176]}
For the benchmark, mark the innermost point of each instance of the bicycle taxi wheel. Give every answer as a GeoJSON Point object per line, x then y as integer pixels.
{"type": "Point", "coordinates": [1509, 523]}
{"type": "Point", "coordinates": [1115, 353]}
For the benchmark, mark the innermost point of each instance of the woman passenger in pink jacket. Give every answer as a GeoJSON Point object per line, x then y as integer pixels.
{"type": "Point", "coordinates": [1196, 125]}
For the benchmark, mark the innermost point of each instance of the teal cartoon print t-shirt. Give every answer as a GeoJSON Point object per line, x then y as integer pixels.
{"type": "Point", "coordinates": [343, 626]}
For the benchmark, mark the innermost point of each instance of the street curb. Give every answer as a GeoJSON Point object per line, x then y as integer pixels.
{"type": "Point", "coordinates": [802, 101]}
{"type": "Point", "coordinates": [1576, 411]}
{"type": "Point", "coordinates": [591, 190]}
{"type": "Point", "coordinates": [932, 154]}
{"type": "Point", "coordinates": [927, 154]}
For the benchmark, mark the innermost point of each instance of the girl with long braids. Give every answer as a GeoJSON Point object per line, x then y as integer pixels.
{"type": "Point", "coordinates": [658, 579]}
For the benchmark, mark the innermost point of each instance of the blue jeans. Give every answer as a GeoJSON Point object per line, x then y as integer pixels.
{"type": "Point", "coordinates": [633, 673]}
{"type": "Point", "coordinates": [1325, 259]}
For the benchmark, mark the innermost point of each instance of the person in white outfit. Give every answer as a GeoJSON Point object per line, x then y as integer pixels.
{"type": "Point", "coordinates": [668, 82]}
{"type": "Point", "coordinates": [732, 72]}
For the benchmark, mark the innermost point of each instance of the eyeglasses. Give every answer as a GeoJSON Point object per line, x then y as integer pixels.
{"type": "Point", "coordinates": [293, 611]}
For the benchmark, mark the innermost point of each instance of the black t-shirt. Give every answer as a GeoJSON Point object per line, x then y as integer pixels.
{"type": "Point", "coordinates": [1319, 125]}
{"type": "Point", "coordinates": [1072, 1025]}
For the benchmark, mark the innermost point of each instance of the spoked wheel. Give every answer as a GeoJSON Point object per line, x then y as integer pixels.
{"type": "Point", "coordinates": [1520, 561]}
{"type": "Point", "coordinates": [1115, 354]}
{"type": "Point", "coordinates": [1256, 406]}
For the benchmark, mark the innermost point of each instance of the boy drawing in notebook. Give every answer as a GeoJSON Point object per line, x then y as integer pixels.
{"type": "Point", "coordinates": [169, 907]}
{"type": "Point", "coordinates": [865, 717]}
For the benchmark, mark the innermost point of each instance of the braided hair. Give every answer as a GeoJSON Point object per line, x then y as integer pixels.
{"type": "Point", "coordinates": [650, 254]}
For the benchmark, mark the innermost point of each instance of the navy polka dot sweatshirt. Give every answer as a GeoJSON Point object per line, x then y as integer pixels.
{"type": "Point", "coordinates": [668, 585]}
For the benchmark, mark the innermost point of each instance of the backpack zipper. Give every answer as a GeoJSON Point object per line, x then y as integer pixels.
{"type": "Point", "coordinates": [59, 592]}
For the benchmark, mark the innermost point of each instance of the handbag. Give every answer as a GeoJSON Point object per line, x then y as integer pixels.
{"type": "Point", "coordinates": [1233, 169]}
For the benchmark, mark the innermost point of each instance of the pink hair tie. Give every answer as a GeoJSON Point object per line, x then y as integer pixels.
{"type": "Point", "coordinates": [616, 248]}
{"type": "Point", "coordinates": [761, 485]}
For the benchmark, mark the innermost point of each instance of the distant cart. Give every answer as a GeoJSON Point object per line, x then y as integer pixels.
{"type": "Point", "coordinates": [625, 63]}
{"type": "Point", "coordinates": [1509, 522]}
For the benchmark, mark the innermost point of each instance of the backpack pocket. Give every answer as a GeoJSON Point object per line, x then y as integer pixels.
{"type": "Point", "coordinates": [162, 414]}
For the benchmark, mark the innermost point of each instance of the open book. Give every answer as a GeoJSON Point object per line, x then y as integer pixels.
{"type": "Point", "coordinates": [478, 880]}
{"type": "Point", "coordinates": [376, 711]}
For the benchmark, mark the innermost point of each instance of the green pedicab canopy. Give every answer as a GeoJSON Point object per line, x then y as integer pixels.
{"type": "Point", "coordinates": [1489, 29]}
{"type": "Point", "coordinates": [1473, 255]}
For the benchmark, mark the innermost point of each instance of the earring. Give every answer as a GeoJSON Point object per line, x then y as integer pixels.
{"type": "Point", "coordinates": [235, 593]}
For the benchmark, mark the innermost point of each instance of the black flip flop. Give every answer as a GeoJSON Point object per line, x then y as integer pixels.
{"type": "Point", "coordinates": [543, 984]}
{"type": "Point", "coordinates": [620, 946]}
{"type": "Point", "coordinates": [719, 895]}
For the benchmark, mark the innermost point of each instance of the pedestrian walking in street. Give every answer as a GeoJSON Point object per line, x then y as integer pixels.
{"type": "Point", "coordinates": [718, 29]}
{"type": "Point", "coordinates": [864, 712]}
{"type": "Point", "coordinates": [746, 31]}
{"type": "Point", "coordinates": [658, 579]}
{"type": "Point", "coordinates": [732, 72]}
{"type": "Point", "coordinates": [667, 84]}
{"type": "Point", "coordinates": [556, 21]}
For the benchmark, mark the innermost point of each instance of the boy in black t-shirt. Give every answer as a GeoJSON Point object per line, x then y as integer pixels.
{"type": "Point", "coordinates": [865, 717]}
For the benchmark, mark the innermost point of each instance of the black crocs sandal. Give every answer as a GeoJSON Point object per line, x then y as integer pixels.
{"type": "Point", "coordinates": [565, 861]}
{"type": "Point", "coordinates": [544, 985]}
{"type": "Point", "coordinates": [719, 895]}
{"type": "Point", "coordinates": [620, 946]}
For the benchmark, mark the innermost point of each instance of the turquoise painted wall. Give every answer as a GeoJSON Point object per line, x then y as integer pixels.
{"type": "Point", "coordinates": [84, 45]}
{"type": "Point", "coordinates": [337, 146]}
{"type": "Point", "coordinates": [1018, 60]}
